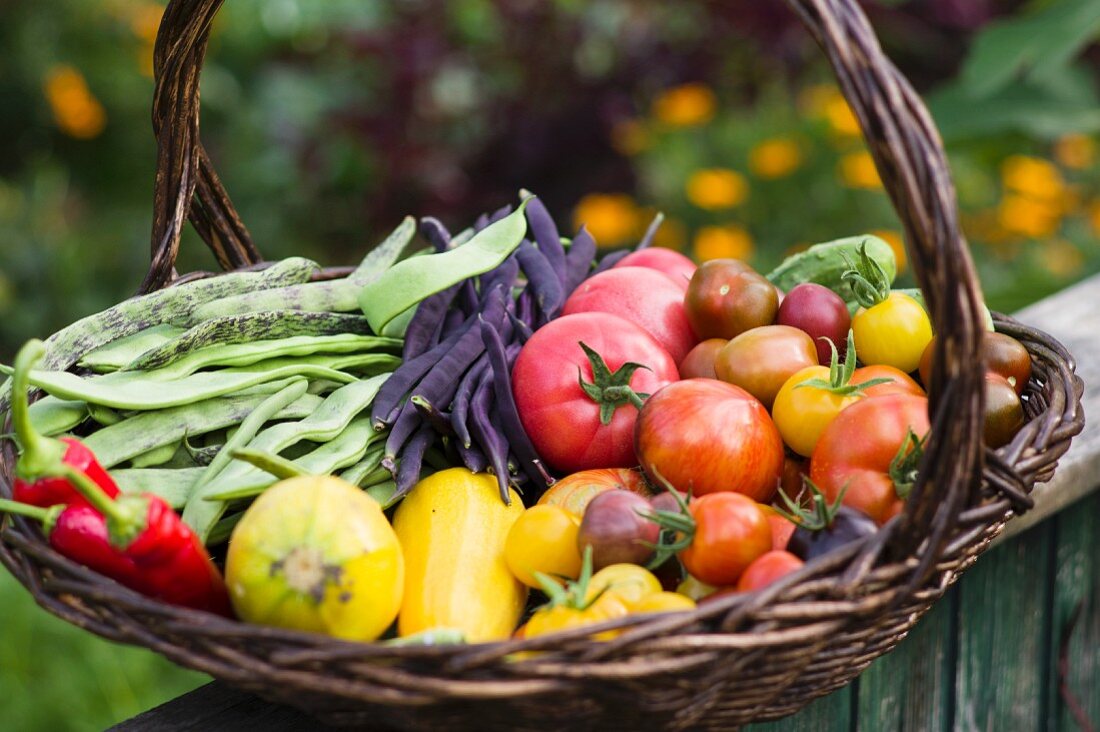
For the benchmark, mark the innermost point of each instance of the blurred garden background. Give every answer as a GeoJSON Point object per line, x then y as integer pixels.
{"type": "Point", "coordinates": [330, 121]}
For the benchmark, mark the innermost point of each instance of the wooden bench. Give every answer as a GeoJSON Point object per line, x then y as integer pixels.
{"type": "Point", "coordinates": [1014, 646]}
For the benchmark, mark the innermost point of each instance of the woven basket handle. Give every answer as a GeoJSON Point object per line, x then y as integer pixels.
{"type": "Point", "coordinates": [901, 137]}
{"type": "Point", "coordinates": [186, 184]}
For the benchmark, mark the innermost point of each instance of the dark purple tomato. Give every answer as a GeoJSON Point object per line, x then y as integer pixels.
{"type": "Point", "coordinates": [726, 297]}
{"type": "Point", "coordinates": [1004, 414]}
{"type": "Point", "coordinates": [848, 525]}
{"type": "Point", "coordinates": [616, 528]}
{"type": "Point", "coordinates": [819, 312]}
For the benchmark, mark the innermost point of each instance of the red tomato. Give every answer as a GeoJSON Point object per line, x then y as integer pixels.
{"type": "Point", "coordinates": [643, 296]}
{"type": "Point", "coordinates": [726, 297]}
{"type": "Point", "coordinates": [730, 533]}
{"type": "Point", "coordinates": [782, 528]}
{"type": "Point", "coordinates": [700, 361]}
{"type": "Point", "coordinates": [819, 312]}
{"type": "Point", "coordinates": [706, 436]}
{"type": "Point", "coordinates": [563, 421]}
{"type": "Point", "coordinates": [574, 492]}
{"type": "Point", "coordinates": [857, 447]}
{"type": "Point", "coordinates": [767, 569]}
{"type": "Point", "coordinates": [670, 262]}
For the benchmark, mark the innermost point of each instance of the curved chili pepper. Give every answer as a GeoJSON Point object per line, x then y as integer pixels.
{"type": "Point", "coordinates": [37, 479]}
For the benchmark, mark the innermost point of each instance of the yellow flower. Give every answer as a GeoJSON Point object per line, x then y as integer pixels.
{"type": "Point", "coordinates": [857, 170]}
{"type": "Point", "coordinates": [840, 117]}
{"type": "Point", "coordinates": [813, 99]}
{"type": "Point", "coordinates": [1032, 177]}
{"type": "Point", "coordinates": [686, 105]}
{"type": "Point", "coordinates": [722, 242]}
{"type": "Point", "coordinates": [611, 218]}
{"type": "Point", "coordinates": [1094, 216]}
{"type": "Point", "coordinates": [145, 20]}
{"type": "Point", "coordinates": [1075, 151]}
{"type": "Point", "coordinates": [893, 238]}
{"type": "Point", "coordinates": [716, 188]}
{"type": "Point", "coordinates": [629, 137]}
{"type": "Point", "coordinates": [1061, 258]}
{"type": "Point", "coordinates": [1028, 216]}
{"type": "Point", "coordinates": [77, 113]}
{"type": "Point", "coordinates": [777, 157]}
{"type": "Point", "coordinates": [671, 235]}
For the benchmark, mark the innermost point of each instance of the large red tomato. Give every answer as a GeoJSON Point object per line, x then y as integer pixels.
{"type": "Point", "coordinates": [672, 263]}
{"type": "Point", "coordinates": [706, 436]}
{"type": "Point", "coordinates": [562, 419]}
{"type": "Point", "coordinates": [643, 296]}
{"type": "Point", "coordinates": [857, 448]}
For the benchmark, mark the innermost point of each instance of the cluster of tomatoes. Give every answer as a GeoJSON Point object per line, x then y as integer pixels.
{"type": "Point", "coordinates": [774, 426]}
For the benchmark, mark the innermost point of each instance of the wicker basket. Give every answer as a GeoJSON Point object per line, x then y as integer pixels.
{"type": "Point", "coordinates": [744, 658]}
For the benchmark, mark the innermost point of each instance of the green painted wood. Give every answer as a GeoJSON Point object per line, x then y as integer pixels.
{"type": "Point", "coordinates": [832, 713]}
{"type": "Point", "coordinates": [1001, 678]}
{"type": "Point", "coordinates": [1077, 553]}
{"type": "Point", "coordinates": [910, 688]}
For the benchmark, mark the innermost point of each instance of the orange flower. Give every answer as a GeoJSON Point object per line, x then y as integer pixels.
{"type": "Point", "coordinates": [716, 188]}
{"type": "Point", "coordinates": [145, 20]}
{"type": "Point", "coordinates": [1028, 216]}
{"type": "Point", "coordinates": [1094, 216]}
{"type": "Point", "coordinates": [1032, 177]}
{"type": "Point", "coordinates": [840, 117]}
{"type": "Point", "coordinates": [777, 157]}
{"type": "Point", "coordinates": [1061, 258]}
{"type": "Point", "coordinates": [671, 235]}
{"type": "Point", "coordinates": [687, 105]}
{"type": "Point", "coordinates": [857, 170]}
{"type": "Point", "coordinates": [1075, 151]}
{"type": "Point", "coordinates": [611, 218]}
{"type": "Point", "coordinates": [75, 110]}
{"type": "Point", "coordinates": [722, 242]}
{"type": "Point", "coordinates": [893, 238]}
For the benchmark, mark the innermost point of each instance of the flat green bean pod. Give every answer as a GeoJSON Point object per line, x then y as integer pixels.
{"type": "Point", "coordinates": [246, 328]}
{"type": "Point", "coordinates": [52, 416]}
{"type": "Point", "coordinates": [201, 515]}
{"type": "Point", "coordinates": [365, 468]}
{"type": "Point", "coordinates": [116, 354]}
{"type": "Point", "coordinates": [408, 282]}
{"type": "Point", "coordinates": [336, 296]}
{"type": "Point", "coordinates": [139, 392]}
{"type": "Point", "coordinates": [345, 449]}
{"type": "Point", "coordinates": [248, 353]}
{"type": "Point", "coordinates": [157, 456]}
{"type": "Point", "coordinates": [147, 430]}
{"type": "Point", "coordinates": [174, 486]}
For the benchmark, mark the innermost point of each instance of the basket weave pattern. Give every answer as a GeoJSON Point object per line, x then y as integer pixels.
{"type": "Point", "coordinates": [740, 659]}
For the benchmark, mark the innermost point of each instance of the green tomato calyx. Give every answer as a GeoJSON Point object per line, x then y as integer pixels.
{"type": "Point", "coordinates": [574, 594]}
{"type": "Point", "coordinates": [869, 282]}
{"type": "Point", "coordinates": [610, 390]}
{"type": "Point", "coordinates": [819, 515]}
{"type": "Point", "coordinates": [906, 463]}
{"type": "Point", "coordinates": [840, 374]}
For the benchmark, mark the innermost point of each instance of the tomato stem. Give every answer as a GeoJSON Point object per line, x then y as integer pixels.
{"type": "Point", "coordinates": [840, 374]}
{"type": "Point", "coordinates": [819, 515]}
{"type": "Point", "coordinates": [869, 282]}
{"type": "Point", "coordinates": [905, 466]}
{"type": "Point", "coordinates": [610, 390]}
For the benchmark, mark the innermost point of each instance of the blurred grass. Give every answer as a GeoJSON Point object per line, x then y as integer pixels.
{"type": "Point", "coordinates": [56, 677]}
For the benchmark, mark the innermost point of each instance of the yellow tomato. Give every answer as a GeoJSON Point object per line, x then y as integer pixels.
{"type": "Point", "coordinates": [893, 332]}
{"type": "Point", "coordinates": [801, 413]}
{"type": "Point", "coordinates": [543, 539]}
{"type": "Point", "coordinates": [629, 582]}
{"type": "Point", "coordinates": [316, 554]}
{"type": "Point", "coordinates": [554, 618]}
{"type": "Point", "coordinates": [663, 602]}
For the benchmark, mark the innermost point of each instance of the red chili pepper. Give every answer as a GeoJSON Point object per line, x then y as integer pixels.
{"type": "Point", "coordinates": [37, 481]}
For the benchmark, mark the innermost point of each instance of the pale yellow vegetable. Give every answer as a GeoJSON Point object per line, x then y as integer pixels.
{"type": "Point", "coordinates": [452, 527]}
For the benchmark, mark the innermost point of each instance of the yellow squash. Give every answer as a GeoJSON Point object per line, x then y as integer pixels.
{"type": "Point", "coordinates": [452, 528]}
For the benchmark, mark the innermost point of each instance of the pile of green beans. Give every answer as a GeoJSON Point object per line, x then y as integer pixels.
{"type": "Point", "coordinates": [163, 387]}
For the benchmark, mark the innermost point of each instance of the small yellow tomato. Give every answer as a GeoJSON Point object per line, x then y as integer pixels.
{"type": "Point", "coordinates": [663, 602]}
{"type": "Point", "coordinates": [801, 413]}
{"type": "Point", "coordinates": [893, 332]}
{"type": "Point", "coordinates": [543, 539]}
{"type": "Point", "coordinates": [316, 554]}
{"type": "Point", "coordinates": [629, 582]}
{"type": "Point", "coordinates": [554, 618]}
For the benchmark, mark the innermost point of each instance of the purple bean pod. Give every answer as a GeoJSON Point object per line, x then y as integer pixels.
{"type": "Point", "coordinates": [610, 261]}
{"type": "Point", "coordinates": [500, 360]}
{"type": "Point", "coordinates": [427, 323]}
{"type": "Point", "coordinates": [546, 236]}
{"type": "Point", "coordinates": [522, 331]}
{"type": "Point", "coordinates": [412, 459]}
{"type": "Point", "coordinates": [578, 261]}
{"type": "Point", "coordinates": [460, 408]}
{"type": "Point", "coordinates": [473, 458]}
{"type": "Point", "coordinates": [436, 233]}
{"type": "Point", "coordinates": [542, 279]}
{"type": "Point", "coordinates": [492, 443]}
{"type": "Point", "coordinates": [432, 415]}
{"type": "Point", "coordinates": [505, 274]}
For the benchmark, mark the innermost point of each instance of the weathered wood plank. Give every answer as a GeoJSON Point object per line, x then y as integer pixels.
{"type": "Point", "coordinates": [1077, 552]}
{"type": "Point", "coordinates": [832, 713]}
{"type": "Point", "coordinates": [1003, 631]}
{"type": "Point", "coordinates": [1073, 317]}
{"type": "Point", "coordinates": [910, 688]}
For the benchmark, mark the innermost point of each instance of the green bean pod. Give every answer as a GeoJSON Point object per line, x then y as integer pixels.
{"type": "Point", "coordinates": [116, 354]}
{"type": "Point", "coordinates": [174, 485]}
